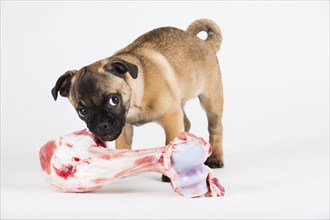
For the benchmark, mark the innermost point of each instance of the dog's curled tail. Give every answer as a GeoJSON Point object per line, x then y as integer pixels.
{"type": "Point", "coordinates": [214, 36]}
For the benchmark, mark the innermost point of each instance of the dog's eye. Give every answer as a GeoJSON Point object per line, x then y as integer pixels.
{"type": "Point", "coordinates": [82, 112]}
{"type": "Point", "coordinates": [114, 100]}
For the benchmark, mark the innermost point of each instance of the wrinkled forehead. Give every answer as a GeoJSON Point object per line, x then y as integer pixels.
{"type": "Point", "coordinates": [92, 84]}
{"type": "Point", "coordinates": [87, 84]}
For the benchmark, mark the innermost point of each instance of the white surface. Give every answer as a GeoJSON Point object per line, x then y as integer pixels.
{"type": "Point", "coordinates": [275, 64]}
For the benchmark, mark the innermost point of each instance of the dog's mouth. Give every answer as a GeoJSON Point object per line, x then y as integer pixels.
{"type": "Point", "coordinates": [108, 137]}
{"type": "Point", "coordinates": [106, 130]}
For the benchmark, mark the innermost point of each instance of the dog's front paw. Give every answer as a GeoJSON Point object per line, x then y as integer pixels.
{"type": "Point", "coordinates": [213, 162]}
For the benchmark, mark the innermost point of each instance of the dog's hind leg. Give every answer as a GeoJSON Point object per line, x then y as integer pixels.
{"type": "Point", "coordinates": [212, 102]}
{"type": "Point", "coordinates": [186, 121]}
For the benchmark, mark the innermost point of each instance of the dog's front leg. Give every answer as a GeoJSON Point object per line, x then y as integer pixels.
{"type": "Point", "coordinates": [124, 141]}
{"type": "Point", "coordinates": [173, 124]}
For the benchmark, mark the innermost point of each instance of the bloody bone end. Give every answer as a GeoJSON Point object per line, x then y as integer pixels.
{"type": "Point", "coordinates": [45, 154]}
{"type": "Point", "coordinates": [78, 162]}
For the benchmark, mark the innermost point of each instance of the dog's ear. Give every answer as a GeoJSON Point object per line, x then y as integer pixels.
{"type": "Point", "coordinates": [63, 84]}
{"type": "Point", "coordinates": [120, 66]}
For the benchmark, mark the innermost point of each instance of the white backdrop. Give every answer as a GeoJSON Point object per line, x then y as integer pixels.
{"type": "Point", "coordinates": [275, 64]}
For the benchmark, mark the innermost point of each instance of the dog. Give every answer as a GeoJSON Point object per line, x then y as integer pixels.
{"type": "Point", "coordinates": [150, 80]}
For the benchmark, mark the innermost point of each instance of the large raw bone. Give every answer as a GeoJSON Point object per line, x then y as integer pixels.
{"type": "Point", "coordinates": [78, 162]}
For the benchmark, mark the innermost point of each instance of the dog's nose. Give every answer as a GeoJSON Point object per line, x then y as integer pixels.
{"type": "Point", "coordinates": [103, 126]}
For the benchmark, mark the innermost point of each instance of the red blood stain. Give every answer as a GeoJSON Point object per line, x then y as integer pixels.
{"type": "Point", "coordinates": [76, 159]}
{"type": "Point", "coordinates": [145, 160]}
{"type": "Point", "coordinates": [88, 160]}
{"type": "Point", "coordinates": [100, 154]}
{"type": "Point", "coordinates": [105, 156]}
{"type": "Point", "coordinates": [45, 155]}
{"type": "Point", "coordinates": [122, 173]}
{"type": "Point", "coordinates": [117, 154]}
{"type": "Point", "coordinates": [161, 160]}
{"type": "Point", "coordinates": [65, 171]}
{"type": "Point", "coordinates": [82, 132]}
{"type": "Point", "coordinates": [100, 180]}
{"type": "Point", "coordinates": [69, 145]}
{"type": "Point", "coordinates": [183, 136]}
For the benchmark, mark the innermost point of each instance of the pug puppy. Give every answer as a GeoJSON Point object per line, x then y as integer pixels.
{"type": "Point", "coordinates": [149, 81]}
